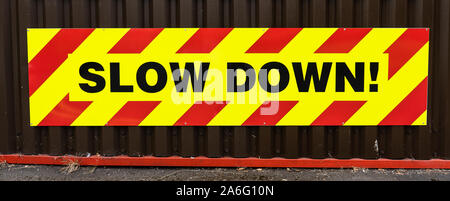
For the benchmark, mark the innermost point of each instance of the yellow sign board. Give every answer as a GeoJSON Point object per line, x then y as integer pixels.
{"type": "Point", "coordinates": [228, 76]}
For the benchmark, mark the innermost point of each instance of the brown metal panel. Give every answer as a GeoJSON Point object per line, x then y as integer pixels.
{"type": "Point", "coordinates": [186, 13]}
{"type": "Point", "coordinates": [214, 135]}
{"type": "Point", "coordinates": [53, 16]}
{"type": "Point", "coordinates": [56, 140]}
{"type": "Point", "coordinates": [27, 18]}
{"type": "Point", "coordinates": [265, 134]}
{"type": "Point", "coordinates": [368, 137]}
{"type": "Point", "coordinates": [264, 13]}
{"type": "Point", "coordinates": [420, 15]}
{"type": "Point", "coordinates": [162, 141]}
{"type": "Point", "coordinates": [80, 10]}
{"type": "Point", "coordinates": [18, 122]}
{"type": "Point", "coordinates": [371, 13]}
{"type": "Point", "coordinates": [188, 145]}
{"type": "Point", "coordinates": [343, 142]}
{"type": "Point", "coordinates": [290, 142]}
{"type": "Point", "coordinates": [290, 136]}
{"type": "Point", "coordinates": [136, 141]}
{"type": "Point", "coordinates": [317, 135]}
{"type": "Point", "coordinates": [265, 141]}
{"type": "Point", "coordinates": [394, 15]}
{"type": "Point", "coordinates": [7, 116]}
{"type": "Point", "coordinates": [133, 18]}
{"type": "Point", "coordinates": [214, 141]}
{"type": "Point", "coordinates": [81, 18]}
{"type": "Point", "coordinates": [369, 145]}
{"type": "Point", "coordinates": [107, 14]}
{"type": "Point", "coordinates": [123, 140]}
{"type": "Point", "coordinates": [444, 55]}
{"type": "Point", "coordinates": [161, 138]}
{"type": "Point", "coordinates": [133, 13]}
{"type": "Point", "coordinates": [149, 133]}
{"type": "Point", "coordinates": [84, 140]}
{"type": "Point", "coordinates": [291, 13]}
{"type": "Point", "coordinates": [343, 137]}
{"type": "Point", "coordinates": [201, 141]}
{"type": "Point", "coordinates": [108, 17]}
{"type": "Point", "coordinates": [239, 142]}
{"type": "Point", "coordinates": [188, 136]}
{"type": "Point", "coordinates": [344, 13]}
{"type": "Point", "coordinates": [240, 13]}
{"type": "Point", "coordinates": [109, 141]}
{"type": "Point", "coordinates": [317, 142]}
{"type": "Point", "coordinates": [240, 17]}
{"type": "Point", "coordinates": [213, 11]}
{"type": "Point", "coordinates": [304, 141]}
{"type": "Point", "coordinates": [160, 13]}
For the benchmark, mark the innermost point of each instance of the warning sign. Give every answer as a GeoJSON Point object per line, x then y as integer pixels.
{"type": "Point", "coordinates": [228, 76]}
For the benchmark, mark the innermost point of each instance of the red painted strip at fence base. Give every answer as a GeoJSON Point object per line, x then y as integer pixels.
{"type": "Point", "coordinates": [224, 162]}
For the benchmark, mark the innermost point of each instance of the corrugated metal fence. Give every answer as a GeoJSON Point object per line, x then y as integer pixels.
{"type": "Point", "coordinates": [394, 142]}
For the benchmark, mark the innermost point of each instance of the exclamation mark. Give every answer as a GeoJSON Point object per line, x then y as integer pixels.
{"type": "Point", "coordinates": [373, 76]}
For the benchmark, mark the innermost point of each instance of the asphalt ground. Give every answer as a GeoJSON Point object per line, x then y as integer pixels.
{"type": "Point", "coordinates": [15, 172]}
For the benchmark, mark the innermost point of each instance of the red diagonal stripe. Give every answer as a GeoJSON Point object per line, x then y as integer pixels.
{"type": "Point", "coordinates": [343, 40]}
{"type": "Point", "coordinates": [405, 47]}
{"type": "Point", "coordinates": [274, 40]}
{"type": "Point", "coordinates": [270, 113]}
{"type": "Point", "coordinates": [201, 113]}
{"type": "Point", "coordinates": [65, 112]}
{"type": "Point", "coordinates": [204, 40]}
{"type": "Point", "coordinates": [133, 113]}
{"type": "Point", "coordinates": [410, 108]}
{"type": "Point", "coordinates": [338, 113]}
{"type": "Point", "coordinates": [53, 55]}
{"type": "Point", "coordinates": [135, 40]}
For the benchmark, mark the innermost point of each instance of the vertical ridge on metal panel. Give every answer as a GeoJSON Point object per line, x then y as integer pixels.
{"type": "Point", "coordinates": [396, 15]}
{"type": "Point", "coordinates": [57, 137]}
{"type": "Point", "coordinates": [345, 18]}
{"type": "Point", "coordinates": [134, 12]}
{"type": "Point", "coordinates": [445, 48]}
{"type": "Point", "coordinates": [84, 140]}
{"type": "Point", "coordinates": [16, 79]}
{"type": "Point", "coordinates": [161, 17]}
{"type": "Point", "coordinates": [214, 134]}
{"type": "Point", "coordinates": [290, 142]}
{"type": "Point", "coordinates": [162, 141]}
{"type": "Point", "coordinates": [133, 17]}
{"type": "Point", "coordinates": [434, 104]}
{"type": "Point", "coordinates": [149, 134]}
{"type": "Point", "coordinates": [265, 141]}
{"type": "Point", "coordinates": [109, 141]}
{"type": "Point", "coordinates": [53, 17]}
{"type": "Point", "coordinates": [108, 17]}
{"type": "Point", "coordinates": [83, 135]}
{"type": "Point", "coordinates": [239, 142]}
{"type": "Point", "coordinates": [136, 141]}
{"type": "Point", "coordinates": [7, 115]}
{"type": "Point", "coordinates": [27, 18]}
{"type": "Point", "coordinates": [369, 142]}
{"type": "Point", "coordinates": [188, 135]}
{"type": "Point", "coordinates": [239, 17]}
{"type": "Point", "coordinates": [317, 135]}
{"type": "Point", "coordinates": [188, 141]}
{"type": "Point", "coordinates": [214, 141]}
{"type": "Point", "coordinates": [437, 115]}
{"type": "Point", "coordinates": [213, 13]}
{"type": "Point", "coordinates": [422, 17]}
